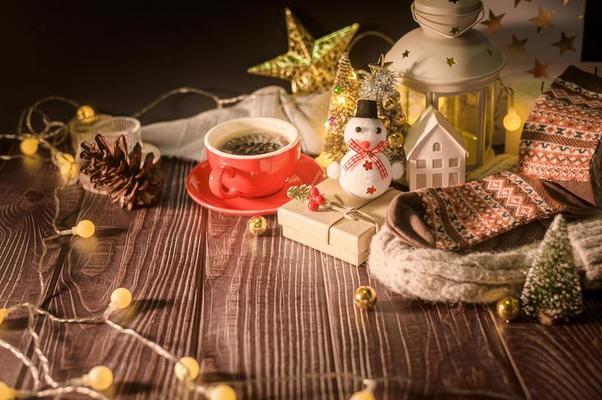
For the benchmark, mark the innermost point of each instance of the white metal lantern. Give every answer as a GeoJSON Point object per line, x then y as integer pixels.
{"type": "Point", "coordinates": [453, 68]}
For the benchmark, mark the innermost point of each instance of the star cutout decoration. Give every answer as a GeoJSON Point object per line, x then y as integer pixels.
{"type": "Point", "coordinates": [454, 30]}
{"type": "Point", "coordinates": [405, 54]}
{"type": "Point", "coordinates": [494, 22]}
{"type": "Point", "coordinates": [565, 43]}
{"type": "Point", "coordinates": [450, 61]}
{"type": "Point", "coordinates": [518, 45]}
{"type": "Point", "coordinates": [517, 2]}
{"type": "Point", "coordinates": [543, 19]}
{"type": "Point", "coordinates": [539, 70]}
{"type": "Point", "coordinates": [310, 64]}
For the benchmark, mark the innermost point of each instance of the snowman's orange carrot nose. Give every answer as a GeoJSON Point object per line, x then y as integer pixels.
{"type": "Point", "coordinates": [365, 144]}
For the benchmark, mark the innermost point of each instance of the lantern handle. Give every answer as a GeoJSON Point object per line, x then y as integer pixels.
{"type": "Point", "coordinates": [414, 12]}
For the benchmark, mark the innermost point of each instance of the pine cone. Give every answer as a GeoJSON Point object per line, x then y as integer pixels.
{"type": "Point", "coordinates": [123, 176]}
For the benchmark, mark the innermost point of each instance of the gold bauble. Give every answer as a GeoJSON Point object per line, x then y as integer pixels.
{"type": "Point", "coordinates": [388, 103]}
{"type": "Point", "coordinates": [395, 141]}
{"type": "Point", "coordinates": [364, 297]}
{"type": "Point", "coordinates": [257, 225]}
{"type": "Point", "coordinates": [85, 114]}
{"type": "Point", "coordinates": [508, 308]}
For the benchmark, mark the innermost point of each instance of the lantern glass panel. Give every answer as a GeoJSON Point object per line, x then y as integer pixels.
{"type": "Point", "coordinates": [413, 103]}
{"type": "Point", "coordinates": [462, 111]}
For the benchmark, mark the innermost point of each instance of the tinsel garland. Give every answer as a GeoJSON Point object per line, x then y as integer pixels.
{"type": "Point", "coordinates": [342, 107]}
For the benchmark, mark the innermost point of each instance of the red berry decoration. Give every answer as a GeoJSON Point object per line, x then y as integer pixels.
{"type": "Point", "coordinates": [319, 199]}
{"type": "Point", "coordinates": [313, 205]}
{"type": "Point", "coordinates": [314, 192]}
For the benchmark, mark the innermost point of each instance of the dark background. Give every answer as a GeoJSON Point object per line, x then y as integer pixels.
{"type": "Point", "coordinates": [117, 56]}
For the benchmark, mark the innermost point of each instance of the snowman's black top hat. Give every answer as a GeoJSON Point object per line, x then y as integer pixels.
{"type": "Point", "coordinates": [366, 109]}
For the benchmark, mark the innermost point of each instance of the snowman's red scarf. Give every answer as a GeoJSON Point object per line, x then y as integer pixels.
{"type": "Point", "coordinates": [369, 154]}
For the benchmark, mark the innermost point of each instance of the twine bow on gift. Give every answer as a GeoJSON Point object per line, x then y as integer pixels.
{"type": "Point", "coordinates": [307, 194]}
{"type": "Point", "coordinates": [352, 213]}
{"type": "Point", "coordinates": [371, 154]}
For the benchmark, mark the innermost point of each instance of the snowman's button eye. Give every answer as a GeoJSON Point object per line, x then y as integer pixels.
{"type": "Point", "coordinates": [378, 130]}
{"type": "Point", "coordinates": [358, 129]}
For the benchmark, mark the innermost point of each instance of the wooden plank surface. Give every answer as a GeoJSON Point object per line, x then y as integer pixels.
{"type": "Point", "coordinates": [260, 311]}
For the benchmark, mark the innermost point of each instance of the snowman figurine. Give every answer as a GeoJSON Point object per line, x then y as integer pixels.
{"type": "Point", "coordinates": [365, 171]}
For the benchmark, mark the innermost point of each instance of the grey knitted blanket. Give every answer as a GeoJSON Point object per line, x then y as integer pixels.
{"type": "Point", "coordinates": [494, 269]}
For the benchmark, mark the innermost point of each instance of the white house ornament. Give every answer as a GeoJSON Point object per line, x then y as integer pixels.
{"type": "Point", "coordinates": [435, 155]}
{"type": "Point", "coordinates": [365, 171]}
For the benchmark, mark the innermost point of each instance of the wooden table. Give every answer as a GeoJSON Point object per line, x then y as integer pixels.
{"type": "Point", "coordinates": [265, 308]}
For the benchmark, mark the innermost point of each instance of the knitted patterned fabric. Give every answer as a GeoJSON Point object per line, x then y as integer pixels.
{"type": "Point", "coordinates": [462, 216]}
{"type": "Point", "coordinates": [562, 133]}
{"type": "Point", "coordinates": [558, 171]}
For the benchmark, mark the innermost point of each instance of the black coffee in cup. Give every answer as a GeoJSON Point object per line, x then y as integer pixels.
{"type": "Point", "coordinates": [254, 143]}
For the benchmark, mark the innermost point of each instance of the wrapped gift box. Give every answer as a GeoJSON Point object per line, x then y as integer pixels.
{"type": "Point", "coordinates": [330, 231]}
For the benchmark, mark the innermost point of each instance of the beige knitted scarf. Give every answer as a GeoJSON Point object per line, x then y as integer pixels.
{"type": "Point", "coordinates": [496, 268]}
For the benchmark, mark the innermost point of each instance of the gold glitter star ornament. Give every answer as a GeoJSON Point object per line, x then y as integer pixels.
{"type": "Point", "coordinates": [309, 64]}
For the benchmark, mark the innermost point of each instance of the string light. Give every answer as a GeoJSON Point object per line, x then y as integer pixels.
{"type": "Point", "coordinates": [120, 298]}
{"type": "Point", "coordinates": [6, 392]}
{"type": "Point", "coordinates": [84, 228]}
{"type": "Point", "coordinates": [99, 378]}
{"type": "Point", "coordinates": [3, 314]}
{"type": "Point", "coordinates": [221, 392]}
{"type": "Point", "coordinates": [85, 114]}
{"type": "Point", "coordinates": [187, 369]}
{"type": "Point", "coordinates": [29, 146]}
{"type": "Point", "coordinates": [512, 120]}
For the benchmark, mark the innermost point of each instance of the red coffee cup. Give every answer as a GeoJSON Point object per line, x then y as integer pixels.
{"type": "Point", "coordinates": [234, 175]}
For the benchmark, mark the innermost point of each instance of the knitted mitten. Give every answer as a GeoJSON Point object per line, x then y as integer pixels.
{"type": "Point", "coordinates": [558, 171]}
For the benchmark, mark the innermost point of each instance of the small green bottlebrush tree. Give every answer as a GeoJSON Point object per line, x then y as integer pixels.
{"type": "Point", "coordinates": [552, 292]}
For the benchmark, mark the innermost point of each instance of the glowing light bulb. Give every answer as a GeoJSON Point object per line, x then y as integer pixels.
{"type": "Point", "coordinates": [362, 395]}
{"type": "Point", "coordinates": [512, 120]}
{"type": "Point", "coordinates": [66, 165]}
{"type": "Point", "coordinates": [85, 114]}
{"type": "Point", "coordinates": [121, 298]}
{"type": "Point", "coordinates": [187, 369]}
{"type": "Point", "coordinates": [99, 378]}
{"type": "Point", "coordinates": [3, 314]}
{"type": "Point", "coordinates": [221, 392]}
{"type": "Point", "coordinates": [6, 392]}
{"type": "Point", "coordinates": [84, 228]}
{"type": "Point", "coordinates": [29, 146]}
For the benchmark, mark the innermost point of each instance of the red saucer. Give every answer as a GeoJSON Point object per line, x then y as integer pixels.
{"type": "Point", "coordinates": [197, 186]}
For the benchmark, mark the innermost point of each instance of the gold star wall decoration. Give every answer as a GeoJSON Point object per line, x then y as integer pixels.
{"type": "Point", "coordinates": [494, 22]}
{"type": "Point", "coordinates": [309, 64]}
{"type": "Point", "coordinates": [539, 70]}
{"type": "Point", "coordinates": [543, 19]}
{"type": "Point", "coordinates": [518, 45]}
{"type": "Point", "coordinates": [565, 43]}
{"type": "Point", "coordinates": [450, 61]}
